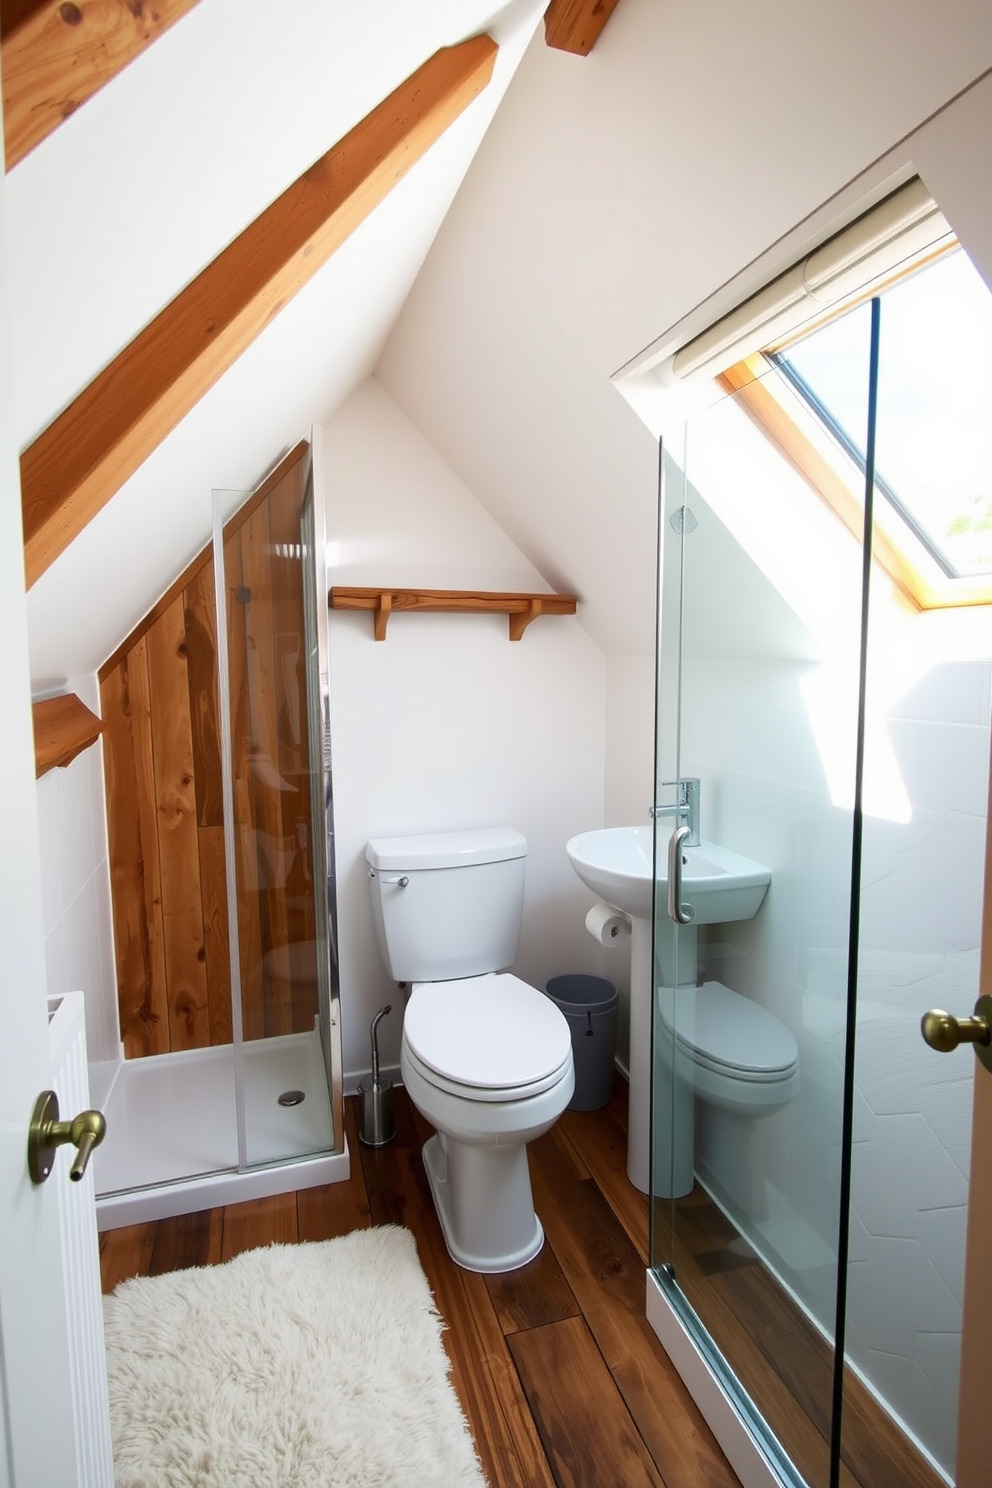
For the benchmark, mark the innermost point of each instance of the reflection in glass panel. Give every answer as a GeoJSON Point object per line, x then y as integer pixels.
{"type": "Point", "coordinates": [286, 1103]}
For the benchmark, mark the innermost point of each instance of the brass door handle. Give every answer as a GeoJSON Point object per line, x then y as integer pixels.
{"type": "Point", "coordinates": [944, 1032]}
{"type": "Point", "coordinates": [47, 1133]}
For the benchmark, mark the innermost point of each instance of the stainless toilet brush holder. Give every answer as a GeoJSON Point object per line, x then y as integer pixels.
{"type": "Point", "coordinates": [376, 1123]}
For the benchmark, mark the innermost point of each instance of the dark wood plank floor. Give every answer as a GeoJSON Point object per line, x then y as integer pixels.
{"type": "Point", "coordinates": [559, 1374]}
{"type": "Point", "coordinates": [782, 1359]}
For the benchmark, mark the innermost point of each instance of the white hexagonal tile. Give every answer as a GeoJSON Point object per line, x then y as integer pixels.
{"type": "Point", "coordinates": [902, 1170]}
{"type": "Point", "coordinates": [942, 1233]}
{"type": "Point", "coordinates": [896, 1294]}
{"type": "Point", "coordinates": [907, 1391]}
{"type": "Point", "coordinates": [946, 1108]}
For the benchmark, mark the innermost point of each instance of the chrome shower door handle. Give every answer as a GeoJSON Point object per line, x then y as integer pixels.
{"type": "Point", "coordinates": [678, 913]}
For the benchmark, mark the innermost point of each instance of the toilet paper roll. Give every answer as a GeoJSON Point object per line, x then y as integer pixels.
{"type": "Point", "coordinates": [606, 924]}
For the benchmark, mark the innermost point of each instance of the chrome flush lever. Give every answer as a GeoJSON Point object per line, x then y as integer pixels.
{"type": "Point", "coordinates": [678, 913]}
{"type": "Point", "coordinates": [400, 880]}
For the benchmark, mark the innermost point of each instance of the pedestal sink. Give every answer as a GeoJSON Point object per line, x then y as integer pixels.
{"type": "Point", "coordinates": [616, 863]}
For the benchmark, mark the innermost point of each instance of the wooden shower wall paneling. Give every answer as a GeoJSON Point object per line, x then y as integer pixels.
{"type": "Point", "coordinates": [216, 938]}
{"type": "Point", "coordinates": [249, 923]}
{"type": "Point", "coordinates": [199, 606]}
{"type": "Point", "coordinates": [134, 864]}
{"type": "Point", "coordinates": [271, 750]}
{"type": "Point", "coordinates": [293, 742]}
{"type": "Point", "coordinates": [175, 796]}
{"type": "Point", "coordinates": [165, 797]}
{"type": "Point", "coordinates": [264, 722]}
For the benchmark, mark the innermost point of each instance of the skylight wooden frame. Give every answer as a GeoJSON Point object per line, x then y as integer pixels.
{"type": "Point", "coordinates": [790, 425]}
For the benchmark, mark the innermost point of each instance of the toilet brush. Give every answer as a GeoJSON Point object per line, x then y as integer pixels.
{"type": "Point", "coordinates": [376, 1126]}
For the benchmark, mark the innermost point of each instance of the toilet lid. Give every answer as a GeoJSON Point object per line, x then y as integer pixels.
{"type": "Point", "coordinates": [493, 1032]}
{"type": "Point", "coordinates": [725, 1031]}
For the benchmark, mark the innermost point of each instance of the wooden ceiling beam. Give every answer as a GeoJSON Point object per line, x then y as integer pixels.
{"type": "Point", "coordinates": [54, 56]}
{"type": "Point", "coordinates": [575, 25]}
{"type": "Point", "coordinates": [74, 468]}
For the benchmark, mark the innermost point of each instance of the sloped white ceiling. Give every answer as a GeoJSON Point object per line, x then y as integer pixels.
{"type": "Point", "coordinates": [611, 196]}
{"type": "Point", "coordinates": [126, 202]}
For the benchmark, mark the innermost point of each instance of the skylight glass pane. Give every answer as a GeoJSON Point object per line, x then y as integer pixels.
{"type": "Point", "coordinates": [934, 435]}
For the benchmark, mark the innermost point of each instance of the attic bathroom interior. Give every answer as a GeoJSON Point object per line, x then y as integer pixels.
{"type": "Point", "coordinates": [430, 414]}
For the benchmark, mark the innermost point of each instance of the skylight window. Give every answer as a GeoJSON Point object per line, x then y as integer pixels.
{"type": "Point", "coordinates": [934, 443]}
{"type": "Point", "coordinates": [933, 466]}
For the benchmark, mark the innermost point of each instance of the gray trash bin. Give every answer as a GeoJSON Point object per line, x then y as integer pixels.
{"type": "Point", "coordinates": [589, 1004]}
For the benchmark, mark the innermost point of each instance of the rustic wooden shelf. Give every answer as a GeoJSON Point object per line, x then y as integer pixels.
{"type": "Point", "coordinates": [520, 609]}
{"type": "Point", "coordinates": [63, 728]}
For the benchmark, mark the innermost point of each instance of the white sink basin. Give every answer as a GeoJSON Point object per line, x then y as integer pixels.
{"type": "Point", "coordinates": [615, 862]}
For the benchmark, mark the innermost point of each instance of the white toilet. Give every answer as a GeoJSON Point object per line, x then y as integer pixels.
{"type": "Point", "coordinates": [486, 1058]}
{"type": "Point", "coordinates": [739, 1062]}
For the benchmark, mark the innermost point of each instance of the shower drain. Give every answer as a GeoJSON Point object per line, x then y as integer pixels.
{"type": "Point", "coordinates": [292, 1097]}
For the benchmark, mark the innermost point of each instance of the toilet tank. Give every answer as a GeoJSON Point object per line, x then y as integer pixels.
{"type": "Point", "coordinates": [447, 904]}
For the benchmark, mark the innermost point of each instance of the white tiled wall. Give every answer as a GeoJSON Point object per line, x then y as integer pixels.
{"type": "Point", "coordinates": [79, 945]}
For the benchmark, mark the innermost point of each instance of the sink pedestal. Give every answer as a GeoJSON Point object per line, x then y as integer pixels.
{"type": "Point", "coordinates": [639, 1059]}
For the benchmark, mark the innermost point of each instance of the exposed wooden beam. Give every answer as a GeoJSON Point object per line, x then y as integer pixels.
{"type": "Point", "coordinates": [73, 469]}
{"type": "Point", "coordinates": [55, 56]}
{"type": "Point", "coordinates": [575, 25]}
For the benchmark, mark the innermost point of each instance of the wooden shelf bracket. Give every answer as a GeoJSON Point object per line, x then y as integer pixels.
{"type": "Point", "coordinates": [63, 728]}
{"type": "Point", "coordinates": [520, 609]}
{"type": "Point", "coordinates": [520, 622]}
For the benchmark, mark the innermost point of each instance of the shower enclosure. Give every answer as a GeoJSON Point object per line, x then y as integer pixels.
{"type": "Point", "coordinates": [221, 838]}
{"type": "Point", "coordinates": [812, 1260]}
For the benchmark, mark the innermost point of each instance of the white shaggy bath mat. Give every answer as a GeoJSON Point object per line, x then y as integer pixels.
{"type": "Point", "coordinates": [296, 1366]}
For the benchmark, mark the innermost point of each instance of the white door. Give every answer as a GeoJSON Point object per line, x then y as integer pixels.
{"type": "Point", "coordinates": [36, 1419]}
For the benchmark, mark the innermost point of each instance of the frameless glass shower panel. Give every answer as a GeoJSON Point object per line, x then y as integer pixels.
{"type": "Point", "coordinates": [278, 790]}
{"type": "Point", "coordinates": [757, 727]}
{"type": "Point", "coordinates": [925, 804]}
{"type": "Point", "coordinates": [673, 1093]}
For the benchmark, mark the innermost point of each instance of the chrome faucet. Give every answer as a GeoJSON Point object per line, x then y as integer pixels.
{"type": "Point", "coordinates": [684, 808]}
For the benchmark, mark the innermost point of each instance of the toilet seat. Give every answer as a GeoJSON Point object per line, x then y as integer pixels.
{"type": "Point", "coordinates": [728, 1034]}
{"type": "Point", "coordinates": [486, 1038]}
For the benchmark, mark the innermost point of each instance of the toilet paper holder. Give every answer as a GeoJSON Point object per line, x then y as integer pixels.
{"type": "Point", "coordinates": [607, 924]}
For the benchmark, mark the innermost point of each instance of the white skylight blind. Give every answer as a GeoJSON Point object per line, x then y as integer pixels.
{"type": "Point", "coordinates": [905, 228]}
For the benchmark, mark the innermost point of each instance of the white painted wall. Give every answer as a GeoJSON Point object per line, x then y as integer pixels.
{"type": "Point", "coordinates": [447, 724]}
{"type": "Point", "coordinates": [75, 873]}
